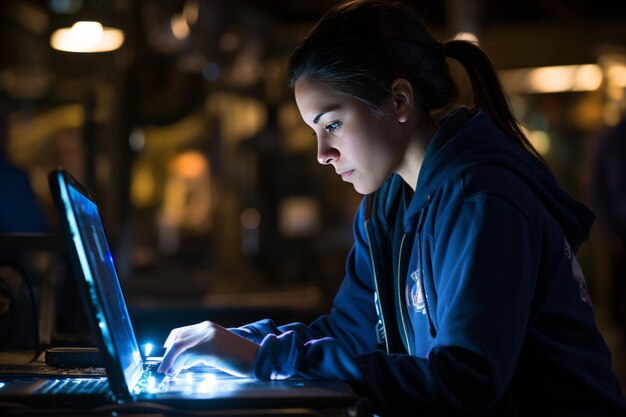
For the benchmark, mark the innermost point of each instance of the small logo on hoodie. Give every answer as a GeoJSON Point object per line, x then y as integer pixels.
{"type": "Point", "coordinates": [414, 293]}
{"type": "Point", "coordinates": [577, 272]}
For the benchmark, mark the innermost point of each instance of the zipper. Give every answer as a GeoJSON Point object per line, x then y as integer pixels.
{"type": "Point", "coordinates": [431, 325]}
{"type": "Point", "coordinates": [400, 298]}
{"type": "Point", "coordinates": [379, 309]}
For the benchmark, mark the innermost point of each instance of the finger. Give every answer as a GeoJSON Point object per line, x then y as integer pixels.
{"type": "Point", "coordinates": [171, 338]}
{"type": "Point", "coordinates": [185, 360]}
{"type": "Point", "coordinates": [173, 352]}
{"type": "Point", "coordinates": [178, 365]}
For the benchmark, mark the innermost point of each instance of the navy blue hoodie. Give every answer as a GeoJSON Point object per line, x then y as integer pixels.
{"type": "Point", "coordinates": [463, 298]}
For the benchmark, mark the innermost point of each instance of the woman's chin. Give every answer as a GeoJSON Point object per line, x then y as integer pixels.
{"type": "Point", "coordinates": [362, 189]}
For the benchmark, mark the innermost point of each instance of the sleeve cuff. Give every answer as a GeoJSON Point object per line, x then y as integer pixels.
{"type": "Point", "coordinates": [256, 331]}
{"type": "Point", "coordinates": [278, 356]}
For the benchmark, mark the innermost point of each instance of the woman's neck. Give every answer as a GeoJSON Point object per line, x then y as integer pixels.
{"type": "Point", "coordinates": [414, 156]}
{"type": "Point", "coordinates": [412, 163]}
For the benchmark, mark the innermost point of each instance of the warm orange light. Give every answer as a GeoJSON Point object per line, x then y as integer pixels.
{"type": "Point", "coordinates": [180, 27]}
{"type": "Point", "coordinates": [86, 37]}
{"type": "Point", "coordinates": [190, 165]}
{"type": "Point", "coordinates": [616, 74]}
{"type": "Point", "coordinates": [587, 77]}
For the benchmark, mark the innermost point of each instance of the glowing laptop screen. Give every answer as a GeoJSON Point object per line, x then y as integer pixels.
{"type": "Point", "coordinates": [100, 275]}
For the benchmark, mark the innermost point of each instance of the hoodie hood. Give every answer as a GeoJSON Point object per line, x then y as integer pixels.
{"type": "Point", "coordinates": [466, 140]}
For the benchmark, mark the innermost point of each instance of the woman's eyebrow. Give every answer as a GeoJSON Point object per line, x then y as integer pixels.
{"type": "Point", "coordinates": [326, 110]}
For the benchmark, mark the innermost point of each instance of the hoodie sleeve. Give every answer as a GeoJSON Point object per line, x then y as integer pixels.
{"type": "Point", "coordinates": [352, 319]}
{"type": "Point", "coordinates": [483, 256]}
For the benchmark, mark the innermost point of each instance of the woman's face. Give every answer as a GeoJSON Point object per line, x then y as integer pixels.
{"type": "Point", "coordinates": [364, 149]}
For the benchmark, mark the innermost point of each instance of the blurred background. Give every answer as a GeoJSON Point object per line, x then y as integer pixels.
{"type": "Point", "coordinates": [176, 115]}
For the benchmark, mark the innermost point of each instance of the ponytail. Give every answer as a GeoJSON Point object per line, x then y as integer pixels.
{"type": "Point", "coordinates": [360, 47]}
{"type": "Point", "coordinates": [487, 89]}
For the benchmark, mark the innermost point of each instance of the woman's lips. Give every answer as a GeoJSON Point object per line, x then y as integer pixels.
{"type": "Point", "coordinates": [346, 174]}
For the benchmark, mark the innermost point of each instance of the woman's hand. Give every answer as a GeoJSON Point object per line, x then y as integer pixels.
{"type": "Point", "coordinates": [210, 344]}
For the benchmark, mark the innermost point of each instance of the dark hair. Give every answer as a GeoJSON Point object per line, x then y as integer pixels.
{"type": "Point", "coordinates": [360, 47]}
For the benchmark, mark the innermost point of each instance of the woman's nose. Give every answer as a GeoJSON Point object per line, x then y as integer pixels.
{"type": "Point", "coordinates": [326, 154]}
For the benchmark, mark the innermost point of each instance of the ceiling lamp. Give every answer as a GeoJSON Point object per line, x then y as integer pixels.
{"type": "Point", "coordinates": [87, 37]}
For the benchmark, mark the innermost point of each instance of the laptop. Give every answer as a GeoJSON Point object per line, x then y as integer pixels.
{"type": "Point", "coordinates": [130, 379]}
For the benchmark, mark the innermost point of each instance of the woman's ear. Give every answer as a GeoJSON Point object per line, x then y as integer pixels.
{"type": "Point", "coordinates": [402, 94]}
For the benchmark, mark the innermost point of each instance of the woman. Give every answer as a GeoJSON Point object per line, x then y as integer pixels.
{"type": "Point", "coordinates": [462, 292]}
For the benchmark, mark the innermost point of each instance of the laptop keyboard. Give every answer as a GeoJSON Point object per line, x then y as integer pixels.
{"type": "Point", "coordinates": [75, 386]}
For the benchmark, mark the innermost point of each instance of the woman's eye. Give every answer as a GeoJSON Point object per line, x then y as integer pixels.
{"type": "Point", "coordinates": [332, 127]}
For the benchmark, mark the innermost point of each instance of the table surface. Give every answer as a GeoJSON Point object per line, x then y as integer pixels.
{"type": "Point", "coordinates": [27, 363]}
